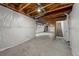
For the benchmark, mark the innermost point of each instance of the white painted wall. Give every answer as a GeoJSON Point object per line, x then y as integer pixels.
{"type": "Point", "coordinates": [66, 29]}
{"type": "Point", "coordinates": [40, 31]}
{"type": "Point", "coordinates": [39, 28]}
{"type": "Point", "coordinates": [59, 28]}
{"type": "Point", "coordinates": [51, 28]}
{"type": "Point", "coordinates": [62, 27]}
{"type": "Point", "coordinates": [74, 29]}
{"type": "Point", "coordinates": [15, 28]}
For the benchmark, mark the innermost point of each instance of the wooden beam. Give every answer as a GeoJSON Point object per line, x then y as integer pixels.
{"type": "Point", "coordinates": [54, 19]}
{"type": "Point", "coordinates": [24, 6]}
{"type": "Point", "coordinates": [21, 5]}
{"type": "Point", "coordinates": [41, 8]}
{"type": "Point", "coordinates": [66, 6]}
{"type": "Point", "coordinates": [61, 9]}
{"type": "Point", "coordinates": [57, 11]}
{"type": "Point", "coordinates": [55, 15]}
{"type": "Point", "coordinates": [48, 5]}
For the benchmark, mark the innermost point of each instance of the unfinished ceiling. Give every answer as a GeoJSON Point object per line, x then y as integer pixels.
{"type": "Point", "coordinates": [50, 12]}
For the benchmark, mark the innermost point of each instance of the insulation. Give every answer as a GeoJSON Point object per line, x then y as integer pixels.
{"type": "Point", "coordinates": [15, 28]}
{"type": "Point", "coordinates": [74, 29]}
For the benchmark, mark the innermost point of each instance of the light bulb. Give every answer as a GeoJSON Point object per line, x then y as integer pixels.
{"type": "Point", "coordinates": [39, 10]}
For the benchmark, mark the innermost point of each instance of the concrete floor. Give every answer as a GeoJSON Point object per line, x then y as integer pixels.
{"type": "Point", "coordinates": [40, 46]}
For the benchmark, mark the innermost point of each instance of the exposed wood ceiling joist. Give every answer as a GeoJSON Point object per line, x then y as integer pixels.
{"type": "Point", "coordinates": [41, 8]}
{"type": "Point", "coordinates": [25, 6]}
{"type": "Point", "coordinates": [54, 11]}
{"type": "Point", "coordinates": [62, 7]}
{"type": "Point", "coordinates": [59, 9]}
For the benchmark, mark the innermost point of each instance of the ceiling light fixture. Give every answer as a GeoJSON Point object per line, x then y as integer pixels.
{"type": "Point", "coordinates": [39, 9]}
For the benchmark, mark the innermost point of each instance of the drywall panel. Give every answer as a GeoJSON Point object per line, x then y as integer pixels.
{"type": "Point", "coordinates": [74, 29]}
{"type": "Point", "coordinates": [66, 30]}
{"type": "Point", "coordinates": [15, 28]}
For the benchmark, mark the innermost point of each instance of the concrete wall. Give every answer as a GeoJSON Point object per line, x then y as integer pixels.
{"type": "Point", "coordinates": [74, 29]}
{"type": "Point", "coordinates": [40, 28]}
{"type": "Point", "coordinates": [15, 28]}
